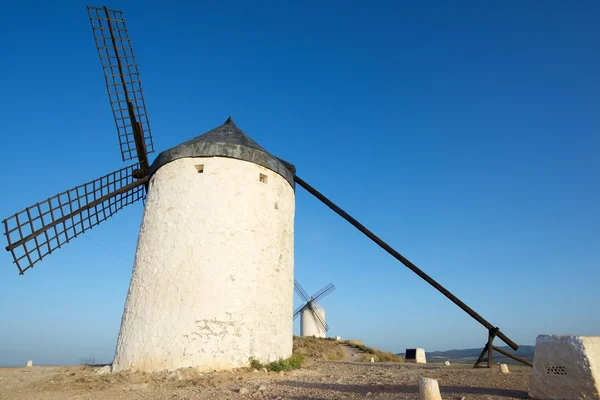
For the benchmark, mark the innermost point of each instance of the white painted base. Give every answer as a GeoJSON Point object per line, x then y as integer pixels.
{"type": "Point", "coordinates": [212, 282]}
{"type": "Point", "coordinates": [566, 367]}
{"type": "Point", "coordinates": [429, 389]}
{"type": "Point", "coordinates": [309, 326]}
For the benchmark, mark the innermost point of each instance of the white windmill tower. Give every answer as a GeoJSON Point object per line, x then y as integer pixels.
{"type": "Point", "coordinates": [312, 315]}
{"type": "Point", "coordinates": [212, 278]}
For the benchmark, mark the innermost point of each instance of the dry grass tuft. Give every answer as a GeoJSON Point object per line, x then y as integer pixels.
{"type": "Point", "coordinates": [318, 349]}
{"type": "Point", "coordinates": [378, 355]}
{"type": "Point", "coordinates": [382, 356]}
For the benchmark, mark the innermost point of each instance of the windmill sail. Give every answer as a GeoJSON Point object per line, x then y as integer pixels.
{"type": "Point", "coordinates": [319, 319]}
{"type": "Point", "coordinates": [310, 302]}
{"type": "Point", "coordinates": [300, 290]}
{"type": "Point", "coordinates": [323, 292]}
{"type": "Point", "coordinates": [38, 230]}
{"type": "Point", "coordinates": [123, 84]}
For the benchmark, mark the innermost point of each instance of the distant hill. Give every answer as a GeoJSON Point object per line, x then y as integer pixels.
{"type": "Point", "coordinates": [469, 356]}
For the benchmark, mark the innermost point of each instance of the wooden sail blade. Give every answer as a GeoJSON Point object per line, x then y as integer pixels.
{"type": "Point", "coordinates": [38, 230]}
{"type": "Point", "coordinates": [300, 291]}
{"type": "Point", "coordinates": [320, 292]}
{"type": "Point", "coordinates": [298, 310]}
{"type": "Point", "coordinates": [122, 83]}
{"type": "Point", "coordinates": [324, 292]}
{"type": "Point", "coordinates": [318, 319]}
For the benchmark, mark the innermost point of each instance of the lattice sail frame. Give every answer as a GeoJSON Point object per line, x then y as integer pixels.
{"type": "Point", "coordinates": [122, 79]}
{"type": "Point", "coordinates": [38, 230]}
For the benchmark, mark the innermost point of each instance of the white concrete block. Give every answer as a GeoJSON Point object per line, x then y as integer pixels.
{"type": "Point", "coordinates": [338, 338]}
{"type": "Point", "coordinates": [415, 356]}
{"type": "Point", "coordinates": [30, 363]}
{"type": "Point", "coordinates": [503, 369]}
{"type": "Point", "coordinates": [566, 367]}
{"type": "Point", "coordinates": [446, 363]}
{"type": "Point", "coordinates": [372, 359]}
{"type": "Point", "coordinates": [429, 389]}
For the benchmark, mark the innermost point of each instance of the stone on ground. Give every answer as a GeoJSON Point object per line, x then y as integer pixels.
{"type": "Point", "coordinates": [503, 369]}
{"type": "Point", "coordinates": [103, 370]}
{"type": "Point", "coordinates": [30, 363]}
{"type": "Point", "coordinates": [566, 367]}
{"type": "Point", "coordinates": [429, 389]}
{"type": "Point", "coordinates": [446, 363]}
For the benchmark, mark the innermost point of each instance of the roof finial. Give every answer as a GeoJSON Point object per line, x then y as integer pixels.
{"type": "Point", "coordinates": [230, 120]}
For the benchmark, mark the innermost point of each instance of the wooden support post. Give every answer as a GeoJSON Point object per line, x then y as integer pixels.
{"type": "Point", "coordinates": [404, 261]}
{"type": "Point", "coordinates": [489, 347]}
{"type": "Point", "coordinates": [516, 358]}
{"type": "Point", "coordinates": [490, 344]}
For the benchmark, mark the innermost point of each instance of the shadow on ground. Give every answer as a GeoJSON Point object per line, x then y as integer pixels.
{"type": "Point", "coordinates": [408, 389]}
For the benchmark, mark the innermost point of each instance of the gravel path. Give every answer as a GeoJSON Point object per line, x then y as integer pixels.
{"type": "Point", "coordinates": [319, 380]}
{"type": "Point", "coordinates": [351, 354]}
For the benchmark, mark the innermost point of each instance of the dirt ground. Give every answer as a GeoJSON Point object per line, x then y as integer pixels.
{"type": "Point", "coordinates": [317, 380]}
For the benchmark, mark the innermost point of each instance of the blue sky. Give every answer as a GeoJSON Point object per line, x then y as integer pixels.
{"type": "Point", "coordinates": [465, 134]}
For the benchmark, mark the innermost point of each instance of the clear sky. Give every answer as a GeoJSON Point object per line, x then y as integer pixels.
{"type": "Point", "coordinates": [464, 133]}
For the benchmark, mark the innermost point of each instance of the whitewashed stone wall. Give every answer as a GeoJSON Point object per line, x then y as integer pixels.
{"type": "Point", "coordinates": [212, 281]}
{"type": "Point", "coordinates": [566, 367]}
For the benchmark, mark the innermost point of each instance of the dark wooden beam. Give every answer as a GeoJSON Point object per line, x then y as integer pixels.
{"type": "Point", "coordinates": [403, 260]}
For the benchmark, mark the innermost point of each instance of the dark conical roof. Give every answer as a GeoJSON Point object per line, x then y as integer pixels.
{"type": "Point", "coordinates": [226, 140]}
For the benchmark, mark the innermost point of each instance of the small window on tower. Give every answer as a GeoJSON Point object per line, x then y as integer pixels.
{"type": "Point", "coordinates": [262, 178]}
{"type": "Point", "coordinates": [199, 168]}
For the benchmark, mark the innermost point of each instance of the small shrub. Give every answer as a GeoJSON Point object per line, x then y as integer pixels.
{"type": "Point", "coordinates": [285, 364]}
{"type": "Point", "coordinates": [254, 363]}
{"type": "Point", "coordinates": [293, 362]}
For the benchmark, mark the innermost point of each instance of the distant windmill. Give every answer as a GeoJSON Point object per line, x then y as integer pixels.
{"type": "Point", "coordinates": [213, 271]}
{"type": "Point", "coordinates": [312, 320]}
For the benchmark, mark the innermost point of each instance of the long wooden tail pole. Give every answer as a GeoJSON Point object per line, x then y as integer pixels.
{"type": "Point", "coordinates": [403, 260]}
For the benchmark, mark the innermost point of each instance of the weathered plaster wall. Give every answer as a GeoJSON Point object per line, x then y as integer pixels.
{"type": "Point", "coordinates": [309, 325]}
{"type": "Point", "coordinates": [212, 282]}
{"type": "Point", "coordinates": [566, 367]}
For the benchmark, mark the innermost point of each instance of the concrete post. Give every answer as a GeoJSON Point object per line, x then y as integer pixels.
{"type": "Point", "coordinates": [429, 389]}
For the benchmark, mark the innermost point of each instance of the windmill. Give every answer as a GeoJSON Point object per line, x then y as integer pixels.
{"type": "Point", "coordinates": [312, 320]}
{"type": "Point", "coordinates": [212, 277]}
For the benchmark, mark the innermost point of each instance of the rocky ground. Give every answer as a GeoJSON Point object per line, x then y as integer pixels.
{"type": "Point", "coordinates": [318, 379]}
